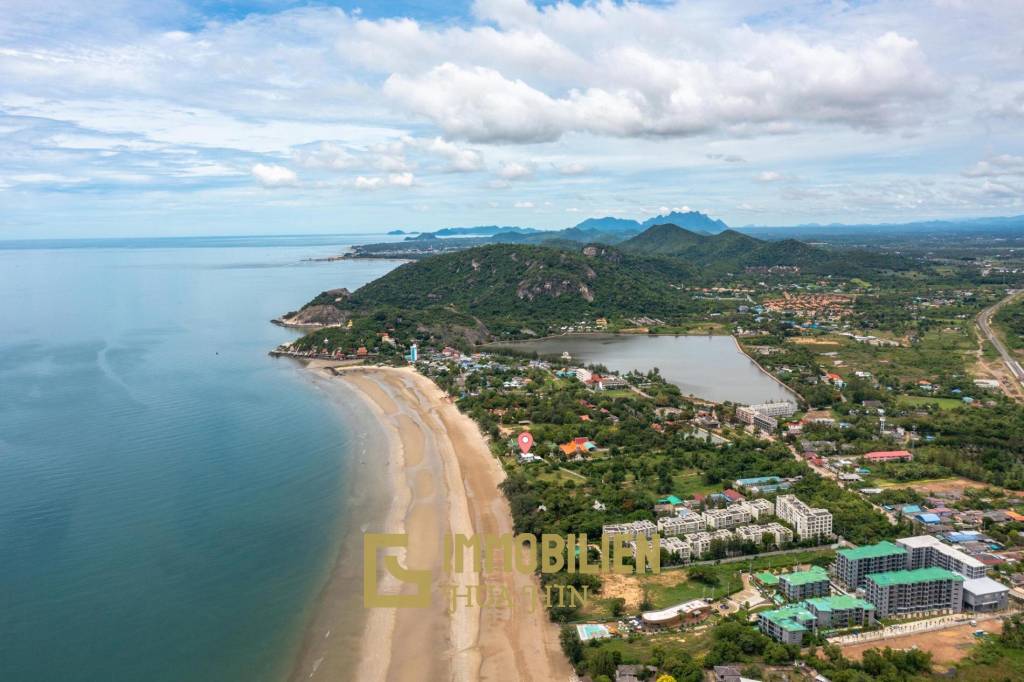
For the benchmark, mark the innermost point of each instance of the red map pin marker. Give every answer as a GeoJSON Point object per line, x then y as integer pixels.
{"type": "Point", "coordinates": [525, 441]}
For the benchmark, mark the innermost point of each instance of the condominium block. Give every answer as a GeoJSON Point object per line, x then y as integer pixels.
{"type": "Point", "coordinates": [852, 565]}
{"type": "Point", "coordinates": [926, 551]}
{"type": "Point", "coordinates": [756, 534]}
{"type": "Point", "coordinates": [699, 543]}
{"type": "Point", "coordinates": [682, 525]}
{"type": "Point", "coordinates": [985, 594]}
{"type": "Point", "coordinates": [924, 589]}
{"type": "Point", "coordinates": [805, 584]}
{"type": "Point", "coordinates": [790, 623]}
{"type": "Point", "coordinates": [758, 508]}
{"type": "Point", "coordinates": [676, 547]}
{"type": "Point", "coordinates": [632, 529]}
{"type": "Point", "coordinates": [730, 517]}
{"type": "Point", "coordinates": [809, 522]}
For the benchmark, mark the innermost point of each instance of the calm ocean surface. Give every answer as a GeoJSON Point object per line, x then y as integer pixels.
{"type": "Point", "coordinates": [170, 496]}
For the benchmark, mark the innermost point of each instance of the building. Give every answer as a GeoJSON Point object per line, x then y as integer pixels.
{"type": "Point", "coordinates": [802, 585]}
{"type": "Point", "coordinates": [985, 594]}
{"type": "Point", "coordinates": [840, 611]}
{"type": "Point", "coordinates": [583, 374]}
{"type": "Point", "coordinates": [897, 593]}
{"type": "Point", "coordinates": [730, 517]}
{"type": "Point", "coordinates": [630, 530]}
{"type": "Point", "coordinates": [680, 614]}
{"type": "Point", "coordinates": [788, 624]}
{"type": "Point", "coordinates": [759, 508]}
{"type": "Point", "coordinates": [809, 522]}
{"type": "Point", "coordinates": [853, 565]}
{"type": "Point", "coordinates": [780, 534]}
{"type": "Point", "coordinates": [889, 456]}
{"type": "Point", "coordinates": [761, 484]}
{"type": "Point", "coordinates": [700, 544]}
{"type": "Point", "coordinates": [782, 408]}
{"type": "Point", "coordinates": [759, 421]}
{"type": "Point", "coordinates": [927, 551]}
{"type": "Point", "coordinates": [676, 547]}
{"type": "Point", "coordinates": [682, 524]}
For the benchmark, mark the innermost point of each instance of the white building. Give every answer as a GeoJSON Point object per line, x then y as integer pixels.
{"type": "Point", "coordinates": [926, 551]}
{"type": "Point", "coordinates": [631, 530]}
{"type": "Point", "coordinates": [809, 522]}
{"type": "Point", "coordinates": [730, 517]}
{"type": "Point", "coordinates": [583, 374]}
{"type": "Point", "coordinates": [681, 525]}
{"type": "Point", "coordinates": [676, 547]}
{"type": "Point", "coordinates": [699, 544]}
{"type": "Point", "coordinates": [758, 508]}
{"type": "Point", "coordinates": [782, 408]}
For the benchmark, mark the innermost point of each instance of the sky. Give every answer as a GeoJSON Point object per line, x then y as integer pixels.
{"type": "Point", "coordinates": [191, 117]}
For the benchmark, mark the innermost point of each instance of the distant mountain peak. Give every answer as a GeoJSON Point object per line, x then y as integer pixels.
{"type": "Point", "coordinates": [691, 220]}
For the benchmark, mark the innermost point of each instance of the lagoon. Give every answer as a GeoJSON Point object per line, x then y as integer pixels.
{"type": "Point", "coordinates": [709, 367]}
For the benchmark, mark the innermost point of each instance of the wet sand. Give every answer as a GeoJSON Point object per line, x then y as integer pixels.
{"type": "Point", "coordinates": [439, 478]}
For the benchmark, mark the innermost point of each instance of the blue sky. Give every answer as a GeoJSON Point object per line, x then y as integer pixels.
{"type": "Point", "coordinates": [175, 118]}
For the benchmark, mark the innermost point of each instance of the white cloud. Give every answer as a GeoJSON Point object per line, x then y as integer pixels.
{"type": "Point", "coordinates": [460, 159]}
{"type": "Point", "coordinates": [572, 168]}
{"type": "Point", "coordinates": [274, 176]}
{"type": "Point", "coordinates": [523, 204]}
{"type": "Point", "coordinates": [368, 183]}
{"type": "Point", "coordinates": [1003, 164]}
{"type": "Point", "coordinates": [513, 170]}
{"type": "Point", "coordinates": [769, 176]}
{"type": "Point", "coordinates": [401, 179]}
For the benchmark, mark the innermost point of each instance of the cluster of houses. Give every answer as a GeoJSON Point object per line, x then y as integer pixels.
{"type": "Point", "coordinates": [912, 576]}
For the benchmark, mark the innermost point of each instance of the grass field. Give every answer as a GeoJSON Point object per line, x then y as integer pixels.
{"type": "Point", "coordinates": [689, 482]}
{"type": "Point", "coordinates": [920, 401]}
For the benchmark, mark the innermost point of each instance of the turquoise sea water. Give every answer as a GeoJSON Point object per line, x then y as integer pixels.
{"type": "Point", "coordinates": [169, 495]}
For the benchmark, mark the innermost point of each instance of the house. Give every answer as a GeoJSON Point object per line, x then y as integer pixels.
{"type": "Point", "coordinates": [732, 495]}
{"type": "Point", "coordinates": [889, 456]}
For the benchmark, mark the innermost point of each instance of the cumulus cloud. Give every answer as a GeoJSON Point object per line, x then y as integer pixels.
{"type": "Point", "coordinates": [769, 176]}
{"type": "Point", "coordinates": [273, 175]}
{"type": "Point", "coordinates": [460, 159]}
{"type": "Point", "coordinates": [513, 170]}
{"type": "Point", "coordinates": [573, 168]}
{"type": "Point", "coordinates": [1003, 164]}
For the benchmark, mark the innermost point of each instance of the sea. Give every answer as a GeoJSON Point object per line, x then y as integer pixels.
{"type": "Point", "coordinates": [171, 497]}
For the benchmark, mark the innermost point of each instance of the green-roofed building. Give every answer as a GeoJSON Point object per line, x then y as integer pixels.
{"type": "Point", "coordinates": [852, 565]}
{"type": "Point", "coordinates": [670, 499]}
{"type": "Point", "coordinates": [923, 589]}
{"type": "Point", "coordinates": [840, 611]}
{"type": "Point", "coordinates": [767, 579]}
{"type": "Point", "coordinates": [804, 584]}
{"type": "Point", "coordinates": [788, 624]}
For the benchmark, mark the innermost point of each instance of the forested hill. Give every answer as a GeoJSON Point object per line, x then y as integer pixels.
{"type": "Point", "coordinates": [732, 251]}
{"type": "Point", "coordinates": [525, 284]}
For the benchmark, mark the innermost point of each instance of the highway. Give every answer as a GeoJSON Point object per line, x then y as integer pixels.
{"type": "Point", "coordinates": [985, 325]}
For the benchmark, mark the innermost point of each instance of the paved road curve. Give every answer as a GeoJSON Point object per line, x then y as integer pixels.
{"type": "Point", "coordinates": [985, 325]}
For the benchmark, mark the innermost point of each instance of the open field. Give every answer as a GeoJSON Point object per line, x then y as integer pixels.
{"type": "Point", "coordinates": [946, 646]}
{"type": "Point", "coordinates": [936, 485]}
{"type": "Point", "coordinates": [919, 400]}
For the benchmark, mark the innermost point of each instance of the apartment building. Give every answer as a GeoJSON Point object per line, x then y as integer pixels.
{"type": "Point", "coordinates": [699, 544]}
{"type": "Point", "coordinates": [729, 517]}
{"type": "Point", "coordinates": [926, 551]}
{"type": "Point", "coordinates": [676, 547]}
{"type": "Point", "coordinates": [759, 421]}
{"type": "Point", "coordinates": [681, 525]}
{"type": "Point", "coordinates": [790, 623]}
{"type": "Point", "coordinates": [803, 585]}
{"type": "Point", "coordinates": [782, 408]}
{"type": "Point", "coordinates": [780, 534]}
{"type": "Point", "coordinates": [853, 565]}
{"type": "Point", "coordinates": [898, 593]}
{"type": "Point", "coordinates": [631, 530]}
{"type": "Point", "coordinates": [809, 522]}
{"type": "Point", "coordinates": [759, 508]}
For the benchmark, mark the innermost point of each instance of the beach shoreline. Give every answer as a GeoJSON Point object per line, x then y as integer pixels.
{"type": "Point", "coordinates": [437, 477]}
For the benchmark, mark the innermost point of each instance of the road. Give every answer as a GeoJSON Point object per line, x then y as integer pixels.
{"type": "Point", "coordinates": [985, 325]}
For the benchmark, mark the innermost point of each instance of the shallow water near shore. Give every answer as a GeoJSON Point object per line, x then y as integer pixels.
{"type": "Point", "coordinates": [171, 498]}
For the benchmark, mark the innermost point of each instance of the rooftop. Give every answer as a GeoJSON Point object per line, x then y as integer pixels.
{"type": "Point", "coordinates": [984, 586]}
{"type": "Point", "coordinates": [883, 548]}
{"type": "Point", "coordinates": [790, 618]}
{"type": "Point", "coordinates": [768, 578]}
{"type": "Point", "coordinates": [813, 575]}
{"type": "Point", "coordinates": [920, 575]}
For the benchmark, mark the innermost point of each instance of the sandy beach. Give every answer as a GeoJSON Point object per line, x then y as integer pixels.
{"type": "Point", "coordinates": [439, 478]}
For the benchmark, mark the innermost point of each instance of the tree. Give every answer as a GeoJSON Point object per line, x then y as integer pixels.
{"type": "Point", "coordinates": [572, 647]}
{"type": "Point", "coordinates": [618, 604]}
